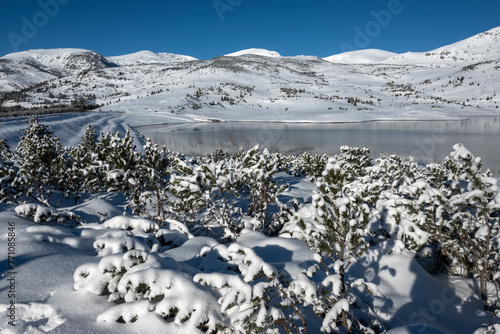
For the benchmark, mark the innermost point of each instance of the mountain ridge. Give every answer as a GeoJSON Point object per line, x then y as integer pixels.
{"type": "Point", "coordinates": [364, 55]}
{"type": "Point", "coordinates": [148, 57]}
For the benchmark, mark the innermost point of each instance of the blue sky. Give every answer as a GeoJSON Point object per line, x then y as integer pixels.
{"type": "Point", "coordinates": [208, 28]}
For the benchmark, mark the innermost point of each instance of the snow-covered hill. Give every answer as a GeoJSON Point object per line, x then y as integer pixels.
{"type": "Point", "coordinates": [256, 52]}
{"type": "Point", "coordinates": [23, 69]}
{"type": "Point", "coordinates": [361, 56]}
{"type": "Point", "coordinates": [71, 60]}
{"type": "Point", "coordinates": [481, 47]}
{"type": "Point", "coordinates": [473, 49]}
{"type": "Point", "coordinates": [148, 57]}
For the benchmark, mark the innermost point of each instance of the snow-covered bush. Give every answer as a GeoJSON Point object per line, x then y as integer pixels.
{"type": "Point", "coordinates": [255, 296]}
{"type": "Point", "coordinates": [218, 155]}
{"type": "Point", "coordinates": [188, 184]}
{"type": "Point", "coordinates": [353, 161]}
{"type": "Point", "coordinates": [85, 172]}
{"type": "Point", "coordinates": [474, 220]}
{"type": "Point", "coordinates": [140, 233]}
{"type": "Point", "coordinates": [394, 172]}
{"type": "Point", "coordinates": [170, 238]}
{"type": "Point", "coordinates": [114, 242]}
{"type": "Point", "coordinates": [257, 174]}
{"type": "Point", "coordinates": [103, 278]}
{"type": "Point", "coordinates": [310, 165]}
{"type": "Point", "coordinates": [149, 196]}
{"type": "Point", "coordinates": [44, 215]}
{"type": "Point", "coordinates": [133, 275]}
{"type": "Point", "coordinates": [42, 164]}
{"type": "Point", "coordinates": [223, 186]}
{"type": "Point", "coordinates": [119, 161]}
{"type": "Point", "coordinates": [337, 230]}
{"type": "Point", "coordinates": [9, 190]}
{"type": "Point", "coordinates": [194, 308]}
{"type": "Point", "coordinates": [402, 216]}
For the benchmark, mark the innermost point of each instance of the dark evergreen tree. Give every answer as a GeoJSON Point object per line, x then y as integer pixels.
{"type": "Point", "coordinates": [257, 174]}
{"type": "Point", "coordinates": [119, 159]}
{"type": "Point", "coordinates": [150, 195]}
{"type": "Point", "coordinates": [9, 189]}
{"type": "Point", "coordinates": [84, 173]}
{"type": "Point", "coordinates": [42, 164]}
{"type": "Point", "coordinates": [188, 185]}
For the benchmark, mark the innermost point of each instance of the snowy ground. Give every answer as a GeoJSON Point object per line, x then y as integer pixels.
{"type": "Point", "coordinates": [409, 299]}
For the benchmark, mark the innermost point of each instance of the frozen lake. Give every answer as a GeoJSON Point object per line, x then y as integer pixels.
{"type": "Point", "coordinates": [427, 141]}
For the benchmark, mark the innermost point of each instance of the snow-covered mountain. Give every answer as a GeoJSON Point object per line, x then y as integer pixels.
{"type": "Point", "coordinates": [71, 60]}
{"type": "Point", "coordinates": [483, 46]}
{"type": "Point", "coordinates": [256, 52]}
{"type": "Point", "coordinates": [361, 56]}
{"type": "Point", "coordinates": [472, 49]}
{"type": "Point", "coordinates": [23, 69]}
{"type": "Point", "coordinates": [257, 84]}
{"type": "Point", "coordinates": [148, 57]}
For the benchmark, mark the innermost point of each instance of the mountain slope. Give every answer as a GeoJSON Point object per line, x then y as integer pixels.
{"type": "Point", "coordinates": [23, 69]}
{"type": "Point", "coordinates": [367, 56]}
{"type": "Point", "coordinates": [485, 45]}
{"type": "Point", "coordinates": [473, 49]}
{"type": "Point", "coordinates": [71, 60]}
{"type": "Point", "coordinates": [256, 52]}
{"type": "Point", "coordinates": [148, 57]}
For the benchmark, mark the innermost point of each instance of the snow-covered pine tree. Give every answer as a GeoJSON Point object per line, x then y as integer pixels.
{"type": "Point", "coordinates": [85, 174]}
{"type": "Point", "coordinates": [257, 171]}
{"type": "Point", "coordinates": [394, 172]}
{"type": "Point", "coordinates": [309, 165]}
{"type": "Point", "coordinates": [474, 220]}
{"type": "Point", "coordinates": [42, 164]}
{"type": "Point", "coordinates": [188, 184]}
{"type": "Point", "coordinates": [338, 235]}
{"type": "Point", "coordinates": [224, 184]}
{"type": "Point", "coordinates": [120, 159]}
{"type": "Point", "coordinates": [256, 297]}
{"type": "Point", "coordinates": [9, 190]}
{"type": "Point", "coordinates": [353, 161]}
{"type": "Point", "coordinates": [218, 155]}
{"type": "Point", "coordinates": [399, 211]}
{"type": "Point", "coordinates": [150, 194]}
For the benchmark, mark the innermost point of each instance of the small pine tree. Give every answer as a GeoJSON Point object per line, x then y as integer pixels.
{"type": "Point", "coordinates": [255, 296]}
{"type": "Point", "coordinates": [42, 164]}
{"type": "Point", "coordinates": [257, 172]}
{"type": "Point", "coordinates": [188, 185]}
{"type": "Point", "coordinates": [474, 226]}
{"type": "Point", "coordinates": [338, 235]}
{"type": "Point", "coordinates": [150, 197]}
{"type": "Point", "coordinates": [119, 159]}
{"type": "Point", "coordinates": [224, 185]}
{"type": "Point", "coordinates": [84, 172]}
{"type": "Point", "coordinates": [9, 190]}
{"type": "Point", "coordinates": [310, 165]}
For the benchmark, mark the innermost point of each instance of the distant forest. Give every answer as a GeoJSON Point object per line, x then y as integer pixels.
{"type": "Point", "coordinates": [77, 104]}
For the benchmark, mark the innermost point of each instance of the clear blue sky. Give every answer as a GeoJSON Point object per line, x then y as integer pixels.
{"type": "Point", "coordinates": [208, 28]}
